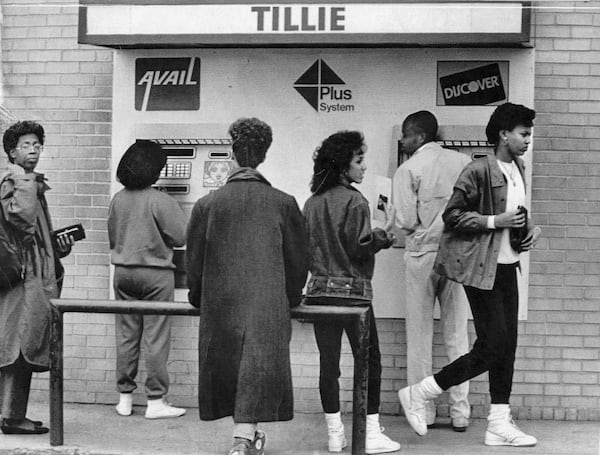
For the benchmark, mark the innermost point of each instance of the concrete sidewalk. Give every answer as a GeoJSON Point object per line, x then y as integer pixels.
{"type": "Point", "coordinates": [98, 430]}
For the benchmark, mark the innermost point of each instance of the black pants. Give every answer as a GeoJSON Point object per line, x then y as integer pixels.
{"type": "Point", "coordinates": [329, 340]}
{"type": "Point", "coordinates": [16, 382]}
{"type": "Point", "coordinates": [495, 316]}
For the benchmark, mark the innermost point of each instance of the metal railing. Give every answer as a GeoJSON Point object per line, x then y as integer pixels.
{"type": "Point", "coordinates": [359, 315]}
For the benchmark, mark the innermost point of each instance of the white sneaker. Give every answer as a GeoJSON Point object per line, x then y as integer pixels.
{"type": "Point", "coordinates": [376, 441]}
{"type": "Point", "coordinates": [414, 409]}
{"type": "Point", "coordinates": [335, 432]}
{"type": "Point", "coordinates": [414, 400]}
{"type": "Point", "coordinates": [506, 433]}
{"type": "Point", "coordinates": [159, 409]}
{"type": "Point", "coordinates": [125, 404]}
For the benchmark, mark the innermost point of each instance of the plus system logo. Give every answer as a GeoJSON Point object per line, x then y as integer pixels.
{"type": "Point", "coordinates": [323, 89]}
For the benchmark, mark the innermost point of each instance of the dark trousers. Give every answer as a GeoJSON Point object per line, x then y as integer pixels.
{"type": "Point", "coordinates": [329, 341]}
{"type": "Point", "coordinates": [495, 316]}
{"type": "Point", "coordinates": [16, 382]}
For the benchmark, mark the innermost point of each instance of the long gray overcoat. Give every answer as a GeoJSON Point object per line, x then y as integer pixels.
{"type": "Point", "coordinates": [246, 266]}
{"type": "Point", "coordinates": [25, 308]}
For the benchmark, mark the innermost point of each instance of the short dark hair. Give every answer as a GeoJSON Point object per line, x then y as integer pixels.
{"type": "Point", "coordinates": [16, 130]}
{"type": "Point", "coordinates": [332, 158]}
{"type": "Point", "coordinates": [507, 116]}
{"type": "Point", "coordinates": [423, 121]}
{"type": "Point", "coordinates": [251, 139]}
{"type": "Point", "coordinates": [141, 164]}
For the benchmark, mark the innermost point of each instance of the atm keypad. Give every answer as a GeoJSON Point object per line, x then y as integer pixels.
{"type": "Point", "coordinates": [176, 170]}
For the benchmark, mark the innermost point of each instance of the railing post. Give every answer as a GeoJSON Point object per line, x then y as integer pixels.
{"type": "Point", "coordinates": [56, 378]}
{"type": "Point", "coordinates": [361, 378]}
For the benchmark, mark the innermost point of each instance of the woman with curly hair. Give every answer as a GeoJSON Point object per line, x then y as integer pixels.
{"type": "Point", "coordinates": [342, 249]}
{"type": "Point", "coordinates": [246, 266]}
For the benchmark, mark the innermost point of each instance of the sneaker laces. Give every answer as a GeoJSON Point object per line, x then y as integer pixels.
{"type": "Point", "coordinates": [512, 430]}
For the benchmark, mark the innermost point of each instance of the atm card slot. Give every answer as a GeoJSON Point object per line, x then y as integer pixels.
{"type": "Point", "coordinates": [180, 152]}
{"type": "Point", "coordinates": [174, 189]}
{"type": "Point", "coordinates": [219, 154]}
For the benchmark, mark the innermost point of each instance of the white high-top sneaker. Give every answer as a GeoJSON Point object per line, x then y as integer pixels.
{"type": "Point", "coordinates": [376, 441]}
{"type": "Point", "coordinates": [502, 430]}
{"type": "Point", "coordinates": [335, 431]}
{"type": "Point", "coordinates": [413, 400]}
{"type": "Point", "coordinates": [125, 404]}
{"type": "Point", "coordinates": [159, 409]}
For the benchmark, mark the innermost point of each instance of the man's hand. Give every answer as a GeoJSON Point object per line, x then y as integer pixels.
{"type": "Point", "coordinates": [390, 216]}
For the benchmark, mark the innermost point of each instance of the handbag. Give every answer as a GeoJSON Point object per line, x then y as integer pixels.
{"type": "Point", "coordinates": [12, 264]}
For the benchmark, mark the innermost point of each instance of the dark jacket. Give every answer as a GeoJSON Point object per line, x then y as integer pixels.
{"type": "Point", "coordinates": [246, 266]}
{"type": "Point", "coordinates": [342, 244]}
{"type": "Point", "coordinates": [25, 308]}
{"type": "Point", "coordinates": [468, 251]}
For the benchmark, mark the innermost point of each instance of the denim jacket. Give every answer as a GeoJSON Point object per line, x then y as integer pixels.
{"type": "Point", "coordinates": [468, 251]}
{"type": "Point", "coordinates": [342, 244]}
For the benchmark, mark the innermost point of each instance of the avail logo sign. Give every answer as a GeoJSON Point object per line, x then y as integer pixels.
{"type": "Point", "coordinates": [167, 84]}
{"type": "Point", "coordinates": [477, 86]}
{"type": "Point", "coordinates": [323, 89]}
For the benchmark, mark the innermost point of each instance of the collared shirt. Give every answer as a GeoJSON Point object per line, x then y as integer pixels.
{"type": "Point", "coordinates": [421, 189]}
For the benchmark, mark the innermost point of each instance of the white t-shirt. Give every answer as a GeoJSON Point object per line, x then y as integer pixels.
{"type": "Point", "coordinates": [515, 196]}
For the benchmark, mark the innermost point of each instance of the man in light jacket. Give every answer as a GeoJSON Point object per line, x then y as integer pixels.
{"type": "Point", "coordinates": [422, 187]}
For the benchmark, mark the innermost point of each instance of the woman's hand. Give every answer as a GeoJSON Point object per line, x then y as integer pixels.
{"type": "Point", "coordinates": [514, 219]}
{"type": "Point", "coordinates": [390, 216]}
{"type": "Point", "coordinates": [64, 244]}
{"type": "Point", "coordinates": [532, 237]}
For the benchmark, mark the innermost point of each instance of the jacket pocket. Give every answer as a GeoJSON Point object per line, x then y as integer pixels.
{"type": "Point", "coordinates": [339, 286]}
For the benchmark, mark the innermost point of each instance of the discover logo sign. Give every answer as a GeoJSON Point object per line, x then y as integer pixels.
{"type": "Point", "coordinates": [476, 86]}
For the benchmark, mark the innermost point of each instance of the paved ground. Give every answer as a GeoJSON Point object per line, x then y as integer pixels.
{"type": "Point", "coordinates": [98, 430]}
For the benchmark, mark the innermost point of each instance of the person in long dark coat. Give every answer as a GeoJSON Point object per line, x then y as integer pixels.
{"type": "Point", "coordinates": [25, 308]}
{"type": "Point", "coordinates": [247, 263]}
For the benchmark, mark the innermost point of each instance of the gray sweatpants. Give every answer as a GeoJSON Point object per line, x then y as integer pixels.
{"type": "Point", "coordinates": [143, 283]}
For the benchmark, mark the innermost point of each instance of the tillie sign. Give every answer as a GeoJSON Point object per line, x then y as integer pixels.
{"type": "Point", "coordinates": [473, 87]}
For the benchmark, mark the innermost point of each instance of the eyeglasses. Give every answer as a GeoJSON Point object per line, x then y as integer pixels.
{"type": "Point", "coordinates": [29, 147]}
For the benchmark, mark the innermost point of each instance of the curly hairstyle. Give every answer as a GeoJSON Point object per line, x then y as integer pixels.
{"type": "Point", "coordinates": [141, 164]}
{"type": "Point", "coordinates": [423, 122]}
{"type": "Point", "coordinates": [16, 130]}
{"type": "Point", "coordinates": [332, 158]}
{"type": "Point", "coordinates": [251, 139]}
{"type": "Point", "coordinates": [507, 116]}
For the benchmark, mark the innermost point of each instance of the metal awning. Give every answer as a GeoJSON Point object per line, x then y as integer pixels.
{"type": "Point", "coordinates": [349, 23]}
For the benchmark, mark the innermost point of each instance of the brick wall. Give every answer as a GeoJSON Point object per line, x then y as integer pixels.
{"type": "Point", "coordinates": [559, 365]}
{"type": "Point", "coordinates": [47, 76]}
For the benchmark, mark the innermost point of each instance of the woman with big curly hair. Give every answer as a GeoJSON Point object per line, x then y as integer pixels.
{"type": "Point", "coordinates": [246, 266]}
{"type": "Point", "coordinates": [342, 249]}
